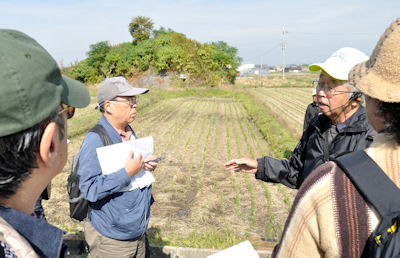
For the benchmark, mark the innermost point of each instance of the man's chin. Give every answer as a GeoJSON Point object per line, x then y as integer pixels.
{"type": "Point", "coordinates": [326, 111]}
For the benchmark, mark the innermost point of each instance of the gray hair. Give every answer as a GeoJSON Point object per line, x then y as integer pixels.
{"type": "Point", "coordinates": [352, 90]}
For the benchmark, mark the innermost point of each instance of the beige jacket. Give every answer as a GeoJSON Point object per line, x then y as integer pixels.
{"type": "Point", "coordinates": [329, 217]}
{"type": "Point", "coordinates": [12, 238]}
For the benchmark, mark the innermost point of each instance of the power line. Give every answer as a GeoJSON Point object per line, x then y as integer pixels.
{"type": "Point", "coordinates": [267, 51]}
{"type": "Point", "coordinates": [332, 34]}
{"type": "Point", "coordinates": [272, 48]}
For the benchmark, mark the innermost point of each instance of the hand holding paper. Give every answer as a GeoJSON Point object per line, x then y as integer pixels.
{"type": "Point", "coordinates": [114, 157]}
{"type": "Point", "coordinates": [133, 165]}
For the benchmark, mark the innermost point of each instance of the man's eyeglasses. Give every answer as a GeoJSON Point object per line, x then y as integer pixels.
{"type": "Point", "coordinates": [329, 89]}
{"type": "Point", "coordinates": [131, 100]}
{"type": "Point", "coordinates": [68, 110]}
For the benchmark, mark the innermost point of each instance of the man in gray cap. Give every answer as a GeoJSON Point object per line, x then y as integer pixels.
{"type": "Point", "coordinates": [35, 101]}
{"type": "Point", "coordinates": [117, 220]}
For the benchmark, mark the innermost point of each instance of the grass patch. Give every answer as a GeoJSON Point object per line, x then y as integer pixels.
{"type": "Point", "coordinates": [280, 141]}
{"type": "Point", "coordinates": [216, 239]}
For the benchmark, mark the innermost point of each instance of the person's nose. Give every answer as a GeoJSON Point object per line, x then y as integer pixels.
{"type": "Point", "coordinates": [321, 93]}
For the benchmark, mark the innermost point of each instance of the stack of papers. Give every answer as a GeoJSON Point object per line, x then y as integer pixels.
{"type": "Point", "coordinates": [243, 249]}
{"type": "Point", "coordinates": [113, 157]}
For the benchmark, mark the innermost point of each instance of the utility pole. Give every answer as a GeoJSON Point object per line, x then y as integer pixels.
{"type": "Point", "coordinates": [283, 52]}
{"type": "Point", "coordinates": [260, 71]}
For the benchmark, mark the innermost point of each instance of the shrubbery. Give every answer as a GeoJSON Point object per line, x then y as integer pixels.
{"type": "Point", "coordinates": [167, 51]}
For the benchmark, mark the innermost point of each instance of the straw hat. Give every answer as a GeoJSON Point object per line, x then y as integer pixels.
{"type": "Point", "coordinates": [379, 77]}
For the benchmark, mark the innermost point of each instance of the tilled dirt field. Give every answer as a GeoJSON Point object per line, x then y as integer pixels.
{"type": "Point", "coordinates": [192, 189]}
{"type": "Point", "coordinates": [193, 192]}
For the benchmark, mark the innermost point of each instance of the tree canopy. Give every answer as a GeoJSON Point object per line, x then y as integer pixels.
{"type": "Point", "coordinates": [140, 28]}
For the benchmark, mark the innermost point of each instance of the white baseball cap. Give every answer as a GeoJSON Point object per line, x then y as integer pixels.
{"type": "Point", "coordinates": [339, 64]}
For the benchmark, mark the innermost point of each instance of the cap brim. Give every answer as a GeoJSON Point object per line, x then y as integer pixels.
{"type": "Point", "coordinates": [74, 93]}
{"type": "Point", "coordinates": [134, 92]}
{"type": "Point", "coordinates": [331, 71]}
{"type": "Point", "coordinates": [315, 67]}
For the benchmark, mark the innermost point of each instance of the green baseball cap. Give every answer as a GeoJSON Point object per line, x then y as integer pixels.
{"type": "Point", "coordinates": [31, 84]}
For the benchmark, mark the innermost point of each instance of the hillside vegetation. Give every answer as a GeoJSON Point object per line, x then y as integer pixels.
{"type": "Point", "coordinates": [167, 52]}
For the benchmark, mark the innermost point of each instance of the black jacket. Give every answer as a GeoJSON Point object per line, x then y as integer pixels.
{"type": "Point", "coordinates": [311, 112]}
{"type": "Point", "coordinates": [313, 151]}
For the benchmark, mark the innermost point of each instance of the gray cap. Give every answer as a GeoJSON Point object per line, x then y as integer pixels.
{"type": "Point", "coordinates": [117, 87]}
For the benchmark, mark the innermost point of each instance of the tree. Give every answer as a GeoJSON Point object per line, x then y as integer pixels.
{"type": "Point", "coordinates": [97, 54]}
{"type": "Point", "coordinates": [140, 28]}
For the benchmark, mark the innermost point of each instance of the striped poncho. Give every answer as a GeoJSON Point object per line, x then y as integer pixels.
{"type": "Point", "coordinates": [329, 218]}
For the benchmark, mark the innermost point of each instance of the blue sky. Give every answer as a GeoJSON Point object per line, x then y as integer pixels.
{"type": "Point", "coordinates": [315, 28]}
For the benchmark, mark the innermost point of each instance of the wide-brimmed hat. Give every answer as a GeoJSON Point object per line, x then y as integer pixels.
{"type": "Point", "coordinates": [117, 87]}
{"type": "Point", "coordinates": [31, 84]}
{"type": "Point", "coordinates": [379, 77]}
{"type": "Point", "coordinates": [339, 64]}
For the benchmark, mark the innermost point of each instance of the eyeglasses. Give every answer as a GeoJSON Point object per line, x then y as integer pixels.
{"type": "Point", "coordinates": [329, 89]}
{"type": "Point", "coordinates": [130, 101]}
{"type": "Point", "coordinates": [68, 110]}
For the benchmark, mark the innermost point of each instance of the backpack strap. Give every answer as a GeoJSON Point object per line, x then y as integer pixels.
{"type": "Point", "coordinates": [371, 181]}
{"type": "Point", "coordinates": [105, 138]}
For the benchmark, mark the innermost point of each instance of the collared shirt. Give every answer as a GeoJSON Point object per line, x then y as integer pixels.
{"type": "Point", "coordinates": [45, 239]}
{"type": "Point", "coordinates": [126, 135]}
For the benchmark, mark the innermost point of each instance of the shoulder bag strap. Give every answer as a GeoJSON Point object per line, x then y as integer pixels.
{"type": "Point", "coordinates": [105, 138]}
{"type": "Point", "coordinates": [371, 181]}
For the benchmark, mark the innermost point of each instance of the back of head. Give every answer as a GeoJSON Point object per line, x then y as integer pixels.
{"type": "Point", "coordinates": [379, 77]}
{"type": "Point", "coordinates": [31, 91]}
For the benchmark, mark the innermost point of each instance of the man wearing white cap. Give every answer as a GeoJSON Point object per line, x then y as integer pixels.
{"type": "Point", "coordinates": [335, 214]}
{"type": "Point", "coordinates": [341, 128]}
{"type": "Point", "coordinates": [311, 111]}
{"type": "Point", "coordinates": [117, 220]}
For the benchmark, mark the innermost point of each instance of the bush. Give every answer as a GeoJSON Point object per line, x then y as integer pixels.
{"type": "Point", "coordinates": [172, 52]}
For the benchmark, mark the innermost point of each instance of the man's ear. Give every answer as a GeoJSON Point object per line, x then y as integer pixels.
{"type": "Point", "coordinates": [48, 144]}
{"type": "Point", "coordinates": [107, 107]}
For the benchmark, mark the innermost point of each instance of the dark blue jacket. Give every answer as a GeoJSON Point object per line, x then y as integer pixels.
{"type": "Point", "coordinates": [115, 214]}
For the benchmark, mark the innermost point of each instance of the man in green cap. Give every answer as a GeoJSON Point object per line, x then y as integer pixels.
{"type": "Point", "coordinates": [35, 101]}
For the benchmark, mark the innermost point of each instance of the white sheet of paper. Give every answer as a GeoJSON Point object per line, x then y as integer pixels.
{"type": "Point", "coordinates": [113, 157]}
{"type": "Point", "coordinates": [243, 249]}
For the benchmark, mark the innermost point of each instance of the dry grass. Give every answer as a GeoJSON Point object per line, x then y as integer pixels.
{"type": "Point", "coordinates": [195, 197]}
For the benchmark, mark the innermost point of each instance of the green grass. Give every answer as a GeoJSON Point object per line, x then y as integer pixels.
{"type": "Point", "coordinates": [280, 141]}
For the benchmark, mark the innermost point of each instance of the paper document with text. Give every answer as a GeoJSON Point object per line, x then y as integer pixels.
{"type": "Point", "coordinates": [113, 157]}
